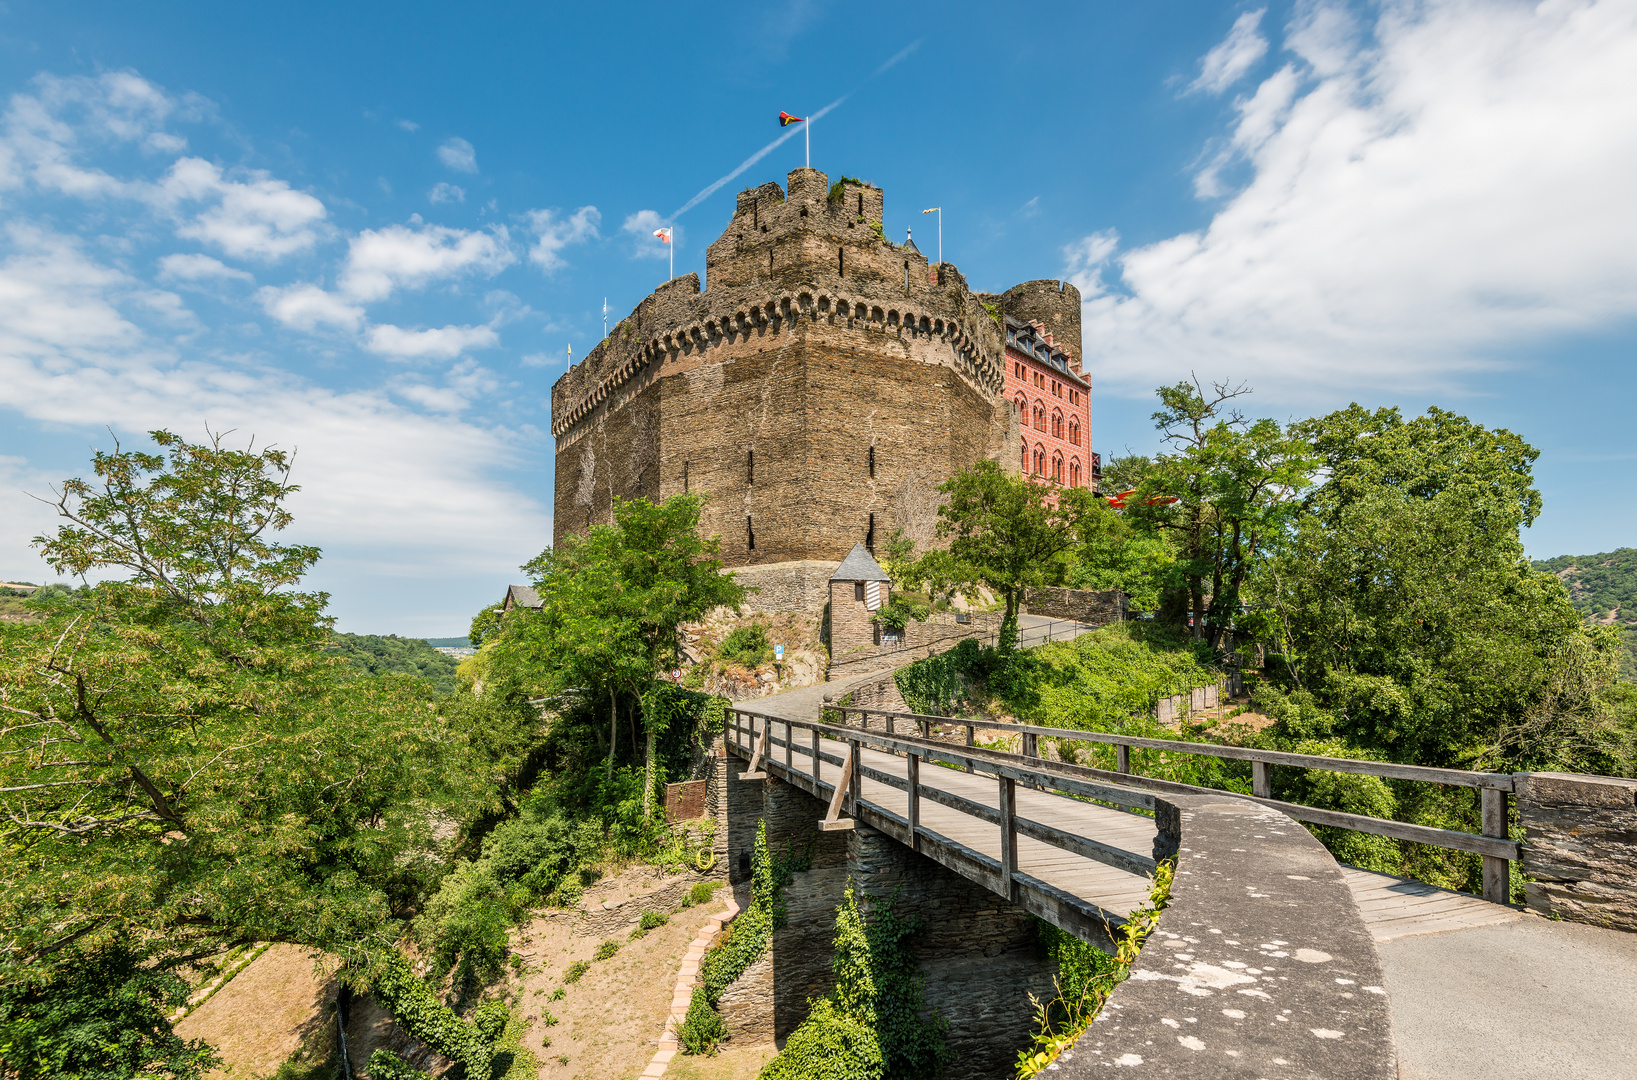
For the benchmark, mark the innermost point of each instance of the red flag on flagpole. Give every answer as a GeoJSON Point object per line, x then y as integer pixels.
{"type": "Point", "coordinates": [785, 119]}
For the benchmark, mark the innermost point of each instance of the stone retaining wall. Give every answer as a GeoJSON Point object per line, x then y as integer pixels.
{"type": "Point", "coordinates": [1080, 605]}
{"type": "Point", "coordinates": [1260, 967]}
{"type": "Point", "coordinates": [1581, 847]}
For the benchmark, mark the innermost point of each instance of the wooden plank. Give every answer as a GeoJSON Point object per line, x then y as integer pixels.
{"type": "Point", "coordinates": [912, 785]}
{"type": "Point", "coordinates": [1085, 847]}
{"type": "Point", "coordinates": [1497, 874]}
{"type": "Point", "coordinates": [833, 821]}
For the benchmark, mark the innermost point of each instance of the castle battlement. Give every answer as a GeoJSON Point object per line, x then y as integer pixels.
{"type": "Point", "coordinates": [820, 377]}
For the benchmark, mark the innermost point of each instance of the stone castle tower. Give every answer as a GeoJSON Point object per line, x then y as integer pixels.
{"type": "Point", "coordinates": [818, 389]}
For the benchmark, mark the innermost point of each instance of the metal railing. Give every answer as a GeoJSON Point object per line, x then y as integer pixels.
{"type": "Point", "coordinates": [1494, 845]}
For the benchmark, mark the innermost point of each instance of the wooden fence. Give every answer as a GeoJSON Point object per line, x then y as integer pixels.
{"type": "Point", "coordinates": [1494, 789]}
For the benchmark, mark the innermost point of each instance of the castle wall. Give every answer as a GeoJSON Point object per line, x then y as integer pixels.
{"type": "Point", "coordinates": [817, 347]}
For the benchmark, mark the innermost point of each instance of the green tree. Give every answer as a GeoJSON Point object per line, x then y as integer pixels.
{"type": "Point", "coordinates": [1402, 598]}
{"type": "Point", "coordinates": [180, 761]}
{"type": "Point", "coordinates": [613, 603]}
{"type": "Point", "coordinates": [1007, 533]}
{"type": "Point", "coordinates": [1223, 491]}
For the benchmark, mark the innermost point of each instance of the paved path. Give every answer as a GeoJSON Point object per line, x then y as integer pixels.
{"type": "Point", "coordinates": [1526, 1000]}
{"type": "Point", "coordinates": [1477, 989]}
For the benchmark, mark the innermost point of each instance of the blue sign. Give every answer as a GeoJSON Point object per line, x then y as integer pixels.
{"type": "Point", "coordinates": [778, 652]}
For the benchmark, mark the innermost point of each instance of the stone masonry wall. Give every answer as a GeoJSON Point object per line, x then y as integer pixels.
{"type": "Point", "coordinates": [1081, 605]}
{"type": "Point", "coordinates": [802, 586]}
{"type": "Point", "coordinates": [816, 343]}
{"type": "Point", "coordinates": [1581, 847]}
{"type": "Point", "coordinates": [978, 954]}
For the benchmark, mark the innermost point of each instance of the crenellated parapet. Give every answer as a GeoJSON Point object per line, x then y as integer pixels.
{"type": "Point", "coordinates": [818, 374]}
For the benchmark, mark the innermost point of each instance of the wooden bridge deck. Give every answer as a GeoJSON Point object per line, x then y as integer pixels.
{"type": "Point", "coordinates": [1392, 907]}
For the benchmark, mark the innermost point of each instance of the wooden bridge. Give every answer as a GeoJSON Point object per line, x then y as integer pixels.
{"type": "Point", "coordinates": [1076, 845]}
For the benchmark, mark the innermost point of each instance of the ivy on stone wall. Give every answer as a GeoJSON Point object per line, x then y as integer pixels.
{"type": "Point", "coordinates": [1085, 977]}
{"type": "Point", "coordinates": [871, 1025]}
{"type": "Point", "coordinates": [417, 1009]}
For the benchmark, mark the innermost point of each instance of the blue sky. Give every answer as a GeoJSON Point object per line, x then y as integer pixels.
{"type": "Point", "coordinates": [370, 232]}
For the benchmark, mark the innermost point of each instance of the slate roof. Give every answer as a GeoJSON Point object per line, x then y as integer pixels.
{"type": "Point", "coordinates": [520, 596]}
{"type": "Point", "coordinates": [859, 566]}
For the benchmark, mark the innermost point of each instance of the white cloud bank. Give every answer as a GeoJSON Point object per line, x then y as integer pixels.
{"type": "Point", "coordinates": [458, 154]}
{"type": "Point", "coordinates": [1418, 194]}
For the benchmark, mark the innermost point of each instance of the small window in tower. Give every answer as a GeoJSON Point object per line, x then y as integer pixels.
{"type": "Point", "coordinates": [861, 204]}
{"type": "Point", "coordinates": [872, 462]}
{"type": "Point", "coordinates": [770, 259]}
{"type": "Point", "coordinates": [685, 477]}
{"type": "Point", "coordinates": [750, 535]}
{"type": "Point", "coordinates": [750, 466]}
{"type": "Point", "coordinates": [841, 262]}
{"type": "Point", "coordinates": [858, 591]}
{"type": "Point", "coordinates": [906, 276]}
{"type": "Point", "coordinates": [869, 537]}
{"type": "Point", "coordinates": [804, 211]}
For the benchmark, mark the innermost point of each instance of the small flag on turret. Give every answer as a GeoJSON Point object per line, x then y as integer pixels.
{"type": "Point", "coordinates": [664, 235]}
{"type": "Point", "coordinates": [785, 119]}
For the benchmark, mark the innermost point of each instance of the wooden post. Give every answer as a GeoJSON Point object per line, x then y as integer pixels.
{"type": "Point", "coordinates": [1031, 744]}
{"type": "Point", "coordinates": [926, 729]}
{"type": "Point", "coordinates": [833, 821]}
{"type": "Point", "coordinates": [1261, 779]}
{"type": "Point", "coordinates": [815, 757]}
{"type": "Point", "coordinates": [971, 740]}
{"type": "Point", "coordinates": [889, 723]}
{"type": "Point", "coordinates": [789, 739]}
{"type": "Point", "coordinates": [913, 775]}
{"type": "Point", "coordinates": [1122, 758]}
{"type": "Point", "coordinates": [1008, 838]}
{"type": "Point", "coordinates": [855, 776]}
{"type": "Point", "coordinates": [1497, 871]}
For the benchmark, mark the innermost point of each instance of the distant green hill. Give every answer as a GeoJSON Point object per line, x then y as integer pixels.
{"type": "Point", "coordinates": [448, 642]}
{"type": "Point", "coordinates": [380, 655]}
{"type": "Point", "coordinates": [1604, 588]}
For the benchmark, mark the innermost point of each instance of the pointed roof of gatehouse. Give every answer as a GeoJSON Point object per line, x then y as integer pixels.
{"type": "Point", "coordinates": [859, 566]}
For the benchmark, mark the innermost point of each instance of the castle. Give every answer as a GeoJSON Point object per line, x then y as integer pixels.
{"type": "Point", "coordinates": [819, 388]}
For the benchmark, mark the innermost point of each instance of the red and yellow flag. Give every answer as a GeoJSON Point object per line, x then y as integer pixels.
{"type": "Point", "coordinates": [785, 119]}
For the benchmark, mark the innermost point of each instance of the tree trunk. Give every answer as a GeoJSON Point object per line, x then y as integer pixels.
{"type": "Point", "coordinates": [648, 778]}
{"type": "Point", "coordinates": [613, 732]}
{"type": "Point", "coordinates": [1008, 623]}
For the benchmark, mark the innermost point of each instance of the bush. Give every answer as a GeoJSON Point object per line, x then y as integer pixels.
{"type": "Point", "coordinates": [575, 970]}
{"type": "Point", "coordinates": [464, 925]}
{"type": "Point", "coordinates": [490, 1018]}
{"type": "Point", "coordinates": [702, 1030]}
{"type": "Point", "coordinates": [702, 891]}
{"type": "Point", "coordinates": [650, 920]}
{"type": "Point", "coordinates": [420, 1013]}
{"type": "Point", "coordinates": [540, 853]}
{"type": "Point", "coordinates": [606, 950]}
{"type": "Point", "coordinates": [746, 646]}
{"type": "Point", "coordinates": [829, 1045]}
{"type": "Point", "coordinates": [385, 1065]}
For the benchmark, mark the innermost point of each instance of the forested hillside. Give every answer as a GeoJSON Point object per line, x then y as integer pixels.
{"type": "Point", "coordinates": [1604, 589]}
{"type": "Point", "coordinates": [389, 654]}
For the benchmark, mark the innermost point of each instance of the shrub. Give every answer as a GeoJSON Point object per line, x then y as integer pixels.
{"type": "Point", "coordinates": [539, 854]}
{"type": "Point", "coordinates": [420, 1013]}
{"type": "Point", "coordinates": [606, 950]}
{"type": "Point", "coordinates": [702, 891]}
{"type": "Point", "coordinates": [575, 970]}
{"type": "Point", "coordinates": [745, 645]}
{"type": "Point", "coordinates": [702, 1030]}
{"type": "Point", "coordinates": [650, 920]}
{"type": "Point", "coordinates": [829, 1045]}
{"type": "Point", "coordinates": [385, 1065]}
{"type": "Point", "coordinates": [490, 1018]}
{"type": "Point", "coordinates": [464, 925]}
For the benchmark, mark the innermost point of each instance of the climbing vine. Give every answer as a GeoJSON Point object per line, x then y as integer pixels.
{"type": "Point", "coordinates": [1086, 975]}
{"type": "Point", "coordinates": [871, 1025]}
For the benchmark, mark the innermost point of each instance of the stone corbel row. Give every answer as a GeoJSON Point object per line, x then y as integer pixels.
{"type": "Point", "coordinates": [786, 312]}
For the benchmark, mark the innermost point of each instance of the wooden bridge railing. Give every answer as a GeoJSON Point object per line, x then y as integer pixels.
{"type": "Point", "coordinates": [1494, 845]}
{"type": "Point", "coordinates": [774, 743]}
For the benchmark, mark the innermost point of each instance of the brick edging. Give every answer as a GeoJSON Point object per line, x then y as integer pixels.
{"type": "Point", "coordinates": [682, 996]}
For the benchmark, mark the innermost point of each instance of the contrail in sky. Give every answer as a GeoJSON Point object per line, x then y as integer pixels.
{"type": "Point", "coordinates": [769, 148]}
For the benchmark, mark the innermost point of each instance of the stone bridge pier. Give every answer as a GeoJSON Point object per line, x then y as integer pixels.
{"type": "Point", "coordinates": [978, 955]}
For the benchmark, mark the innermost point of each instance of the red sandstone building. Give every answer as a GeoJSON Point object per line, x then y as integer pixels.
{"type": "Point", "coordinates": [1053, 405]}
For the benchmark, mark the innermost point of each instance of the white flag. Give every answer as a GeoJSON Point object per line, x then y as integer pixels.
{"type": "Point", "coordinates": [664, 235]}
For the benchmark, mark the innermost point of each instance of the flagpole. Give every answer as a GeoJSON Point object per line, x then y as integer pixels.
{"type": "Point", "coordinates": [940, 212]}
{"type": "Point", "coordinates": [807, 137]}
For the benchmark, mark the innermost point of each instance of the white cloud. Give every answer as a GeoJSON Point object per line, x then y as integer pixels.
{"type": "Point", "coordinates": [182, 267]}
{"type": "Point", "coordinates": [310, 308]}
{"type": "Point", "coordinates": [552, 233]}
{"type": "Point", "coordinates": [640, 226]}
{"type": "Point", "coordinates": [379, 260]}
{"type": "Point", "coordinates": [1450, 181]}
{"type": "Point", "coordinates": [1234, 55]}
{"type": "Point", "coordinates": [257, 217]}
{"type": "Point", "coordinates": [458, 154]}
{"type": "Point", "coordinates": [443, 192]}
{"type": "Point", "coordinates": [390, 491]}
{"type": "Point", "coordinates": [408, 125]}
{"type": "Point", "coordinates": [463, 384]}
{"type": "Point", "coordinates": [442, 343]}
